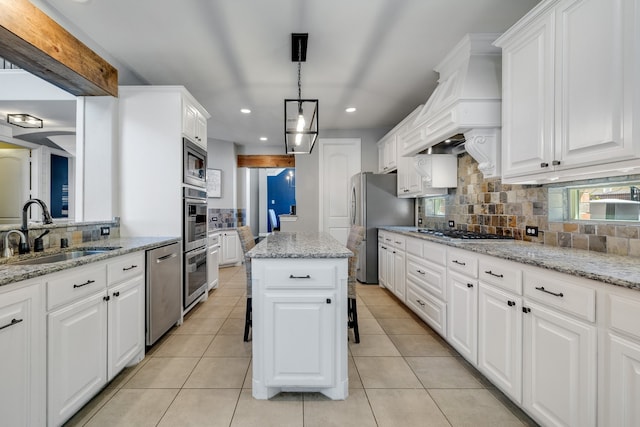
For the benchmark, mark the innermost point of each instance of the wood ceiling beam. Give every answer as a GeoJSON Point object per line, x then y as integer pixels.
{"type": "Point", "coordinates": [39, 45]}
{"type": "Point", "coordinates": [266, 161]}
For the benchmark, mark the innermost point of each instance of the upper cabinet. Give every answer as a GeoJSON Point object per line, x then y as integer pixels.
{"type": "Point", "coordinates": [387, 152]}
{"type": "Point", "coordinates": [427, 175]}
{"type": "Point", "coordinates": [194, 123]}
{"type": "Point", "coordinates": [569, 92]}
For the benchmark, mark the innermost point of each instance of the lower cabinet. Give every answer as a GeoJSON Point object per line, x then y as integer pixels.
{"type": "Point", "coordinates": [95, 328]}
{"type": "Point", "coordinates": [559, 366]}
{"type": "Point", "coordinates": [299, 326]}
{"type": "Point", "coordinates": [230, 249]}
{"type": "Point", "coordinates": [462, 315]}
{"type": "Point", "coordinates": [22, 346]}
{"type": "Point", "coordinates": [500, 339]}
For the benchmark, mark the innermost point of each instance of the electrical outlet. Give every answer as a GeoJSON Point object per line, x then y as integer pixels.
{"type": "Point", "coordinates": [105, 231]}
{"type": "Point", "coordinates": [452, 224]}
{"type": "Point", "coordinates": [532, 231]}
{"type": "Point", "coordinates": [214, 219]}
{"type": "Point", "coordinates": [419, 221]}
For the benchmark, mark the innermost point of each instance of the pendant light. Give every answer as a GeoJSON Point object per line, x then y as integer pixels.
{"type": "Point", "coordinates": [300, 115]}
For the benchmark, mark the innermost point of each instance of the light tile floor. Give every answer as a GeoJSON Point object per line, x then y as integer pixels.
{"type": "Point", "coordinates": [400, 374]}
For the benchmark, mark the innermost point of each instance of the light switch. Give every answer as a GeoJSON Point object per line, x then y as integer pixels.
{"type": "Point", "coordinates": [273, 202]}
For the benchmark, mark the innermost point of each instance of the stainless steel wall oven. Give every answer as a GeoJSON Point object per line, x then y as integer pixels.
{"type": "Point", "coordinates": [195, 244]}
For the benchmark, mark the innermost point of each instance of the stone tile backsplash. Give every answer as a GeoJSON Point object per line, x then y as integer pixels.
{"type": "Point", "coordinates": [488, 206]}
{"type": "Point", "coordinates": [225, 218]}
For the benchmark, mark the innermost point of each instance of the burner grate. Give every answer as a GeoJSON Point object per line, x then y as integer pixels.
{"type": "Point", "coordinates": [461, 234]}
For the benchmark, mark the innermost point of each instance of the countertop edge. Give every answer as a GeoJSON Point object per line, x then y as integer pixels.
{"type": "Point", "coordinates": [564, 260]}
{"type": "Point", "coordinates": [11, 273]}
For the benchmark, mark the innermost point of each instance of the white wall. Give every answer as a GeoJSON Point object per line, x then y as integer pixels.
{"type": "Point", "coordinates": [222, 155]}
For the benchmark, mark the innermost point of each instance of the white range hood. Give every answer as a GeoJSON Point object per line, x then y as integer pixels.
{"type": "Point", "coordinates": [467, 100]}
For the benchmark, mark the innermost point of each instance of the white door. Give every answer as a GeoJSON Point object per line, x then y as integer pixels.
{"type": "Point", "coordinates": [14, 168]}
{"type": "Point", "coordinates": [339, 161]}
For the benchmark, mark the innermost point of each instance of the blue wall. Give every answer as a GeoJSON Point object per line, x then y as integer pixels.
{"type": "Point", "coordinates": [59, 187]}
{"type": "Point", "coordinates": [282, 192]}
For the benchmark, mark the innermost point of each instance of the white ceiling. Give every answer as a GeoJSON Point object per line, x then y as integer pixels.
{"type": "Point", "coordinates": [376, 55]}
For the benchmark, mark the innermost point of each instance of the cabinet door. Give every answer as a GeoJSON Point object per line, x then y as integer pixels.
{"type": "Point", "coordinates": [299, 339]}
{"type": "Point", "coordinates": [189, 121]}
{"type": "Point", "coordinates": [390, 153]}
{"type": "Point", "coordinates": [77, 355]}
{"type": "Point", "coordinates": [126, 315]}
{"type": "Point", "coordinates": [403, 176]}
{"type": "Point", "coordinates": [390, 268]}
{"type": "Point", "coordinates": [22, 371]}
{"type": "Point", "coordinates": [212, 266]}
{"type": "Point", "coordinates": [593, 43]}
{"type": "Point", "coordinates": [462, 301]}
{"type": "Point", "coordinates": [500, 339]}
{"type": "Point", "coordinates": [230, 248]}
{"type": "Point", "coordinates": [382, 265]}
{"type": "Point", "coordinates": [527, 101]}
{"type": "Point", "coordinates": [624, 382]}
{"type": "Point", "coordinates": [399, 275]}
{"type": "Point", "coordinates": [201, 130]}
{"type": "Point", "coordinates": [559, 366]}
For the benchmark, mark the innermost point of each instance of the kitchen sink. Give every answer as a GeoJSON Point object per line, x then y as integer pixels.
{"type": "Point", "coordinates": [63, 256]}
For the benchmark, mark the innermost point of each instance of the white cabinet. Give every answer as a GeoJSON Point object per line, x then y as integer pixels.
{"type": "Point", "coordinates": [427, 175]}
{"type": "Point", "coordinates": [559, 349]}
{"type": "Point", "coordinates": [391, 263]}
{"type": "Point", "coordinates": [387, 152]}
{"type": "Point", "coordinates": [213, 260]}
{"type": "Point", "coordinates": [96, 327]}
{"type": "Point", "coordinates": [426, 282]}
{"type": "Point", "coordinates": [299, 312]}
{"type": "Point", "coordinates": [620, 389]}
{"type": "Point", "coordinates": [568, 91]}
{"type": "Point", "coordinates": [194, 123]}
{"type": "Point", "coordinates": [23, 341]}
{"type": "Point", "coordinates": [462, 312]}
{"type": "Point", "coordinates": [230, 249]}
{"type": "Point", "coordinates": [500, 339]}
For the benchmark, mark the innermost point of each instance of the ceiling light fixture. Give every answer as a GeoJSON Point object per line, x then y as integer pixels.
{"type": "Point", "coordinates": [350, 109]}
{"type": "Point", "coordinates": [300, 115]}
{"type": "Point", "coordinates": [264, 138]}
{"type": "Point", "coordinates": [24, 120]}
{"type": "Point", "coordinates": [245, 111]}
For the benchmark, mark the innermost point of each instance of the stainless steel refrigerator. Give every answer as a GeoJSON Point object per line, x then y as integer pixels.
{"type": "Point", "coordinates": [374, 204]}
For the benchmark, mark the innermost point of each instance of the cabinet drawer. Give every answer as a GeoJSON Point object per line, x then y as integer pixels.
{"type": "Point", "coordinates": [622, 314]}
{"type": "Point", "coordinates": [299, 275]}
{"type": "Point", "coordinates": [74, 284]}
{"type": "Point", "coordinates": [124, 267]}
{"type": "Point", "coordinates": [562, 292]}
{"type": "Point", "coordinates": [463, 262]}
{"type": "Point", "coordinates": [500, 273]}
{"type": "Point", "coordinates": [398, 241]}
{"type": "Point", "coordinates": [434, 252]}
{"type": "Point", "coordinates": [430, 309]}
{"type": "Point", "coordinates": [428, 276]}
{"type": "Point", "coordinates": [414, 246]}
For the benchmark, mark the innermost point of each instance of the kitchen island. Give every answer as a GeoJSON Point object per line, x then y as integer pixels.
{"type": "Point", "coordinates": [299, 297]}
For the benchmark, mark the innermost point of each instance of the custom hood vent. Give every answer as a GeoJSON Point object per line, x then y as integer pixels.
{"type": "Point", "coordinates": [467, 101]}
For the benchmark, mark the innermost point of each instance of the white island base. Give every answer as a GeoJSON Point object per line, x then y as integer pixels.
{"type": "Point", "coordinates": [300, 326]}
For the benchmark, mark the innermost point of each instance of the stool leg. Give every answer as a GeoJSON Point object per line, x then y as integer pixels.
{"type": "Point", "coordinates": [247, 320]}
{"type": "Point", "coordinates": [353, 317]}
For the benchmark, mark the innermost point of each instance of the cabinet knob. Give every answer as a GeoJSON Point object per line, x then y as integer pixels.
{"type": "Point", "coordinates": [116, 294]}
{"type": "Point", "coordinates": [511, 303]}
{"type": "Point", "coordinates": [555, 162]}
{"type": "Point", "coordinates": [328, 300]}
{"type": "Point", "coordinates": [544, 165]}
{"type": "Point", "coordinates": [469, 285]}
{"type": "Point", "coordinates": [106, 298]}
{"type": "Point", "coordinates": [526, 310]}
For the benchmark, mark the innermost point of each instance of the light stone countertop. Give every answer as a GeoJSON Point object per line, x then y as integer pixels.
{"type": "Point", "coordinates": [612, 269]}
{"type": "Point", "coordinates": [299, 245]}
{"type": "Point", "coordinates": [11, 273]}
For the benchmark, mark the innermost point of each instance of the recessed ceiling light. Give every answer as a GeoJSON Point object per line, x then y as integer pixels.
{"type": "Point", "coordinates": [245, 110]}
{"type": "Point", "coordinates": [263, 138]}
{"type": "Point", "coordinates": [350, 109]}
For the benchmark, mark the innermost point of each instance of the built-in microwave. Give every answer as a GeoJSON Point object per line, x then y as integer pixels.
{"type": "Point", "coordinates": [194, 164]}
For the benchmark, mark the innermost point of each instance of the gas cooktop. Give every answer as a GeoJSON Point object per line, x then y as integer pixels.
{"type": "Point", "coordinates": [461, 234]}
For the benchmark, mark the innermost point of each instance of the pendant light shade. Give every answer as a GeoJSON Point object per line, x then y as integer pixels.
{"type": "Point", "coordinates": [300, 115]}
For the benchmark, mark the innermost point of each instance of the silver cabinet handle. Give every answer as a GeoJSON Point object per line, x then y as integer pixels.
{"type": "Point", "coordinates": [129, 268]}
{"type": "Point", "coordinates": [13, 322]}
{"type": "Point", "coordinates": [421, 272]}
{"type": "Point", "coordinates": [420, 302]}
{"type": "Point", "coordinates": [291, 276]}
{"type": "Point", "coordinates": [166, 257]}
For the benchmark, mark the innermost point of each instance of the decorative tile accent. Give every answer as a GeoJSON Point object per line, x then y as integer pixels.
{"type": "Point", "coordinates": [488, 206]}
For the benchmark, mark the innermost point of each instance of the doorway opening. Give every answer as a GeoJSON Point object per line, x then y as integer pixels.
{"type": "Point", "coordinates": [281, 195]}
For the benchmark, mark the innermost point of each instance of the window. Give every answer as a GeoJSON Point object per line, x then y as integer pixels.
{"type": "Point", "coordinates": [433, 206]}
{"type": "Point", "coordinates": [604, 202]}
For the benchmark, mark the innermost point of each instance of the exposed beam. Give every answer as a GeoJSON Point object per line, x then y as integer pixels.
{"type": "Point", "coordinates": [266, 161]}
{"type": "Point", "coordinates": [36, 43]}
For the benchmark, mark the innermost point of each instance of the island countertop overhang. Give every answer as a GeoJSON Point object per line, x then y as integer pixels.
{"type": "Point", "coordinates": [299, 245]}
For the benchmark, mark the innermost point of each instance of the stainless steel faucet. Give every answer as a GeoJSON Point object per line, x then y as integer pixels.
{"type": "Point", "coordinates": [7, 252]}
{"type": "Point", "coordinates": [46, 219]}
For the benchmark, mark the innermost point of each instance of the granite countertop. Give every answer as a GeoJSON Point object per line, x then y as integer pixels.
{"type": "Point", "coordinates": [612, 269]}
{"type": "Point", "coordinates": [11, 273]}
{"type": "Point", "coordinates": [299, 245]}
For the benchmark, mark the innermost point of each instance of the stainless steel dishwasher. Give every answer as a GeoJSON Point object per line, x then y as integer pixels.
{"type": "Point", "coordinates": [164, 287]}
